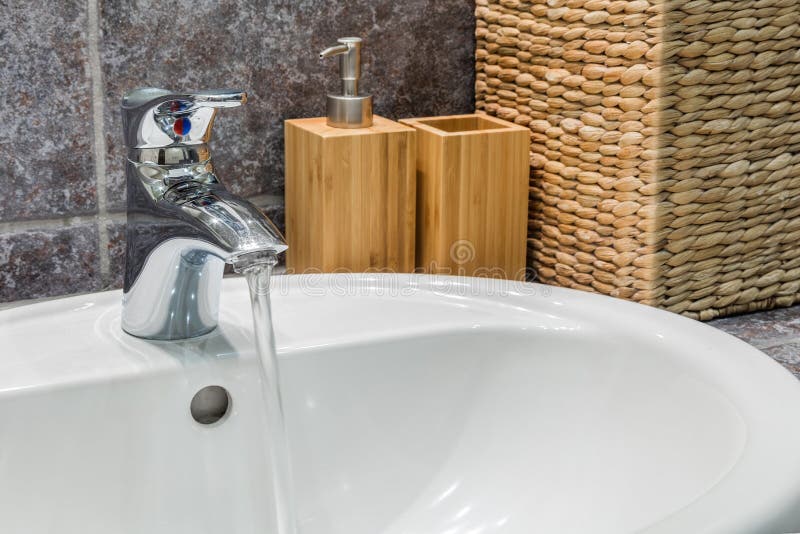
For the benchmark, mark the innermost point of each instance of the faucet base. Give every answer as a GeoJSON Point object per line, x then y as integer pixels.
{"type": "Point", "coordinates": [176, 296]}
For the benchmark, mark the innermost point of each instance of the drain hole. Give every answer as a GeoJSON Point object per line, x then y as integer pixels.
{"type": "Point", "coordinates": [210, 404]}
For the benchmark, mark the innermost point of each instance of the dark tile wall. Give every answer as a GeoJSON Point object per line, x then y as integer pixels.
{"type": "Point", "coordinates": [46, 160]}
{"type": "Point", "coordinates": [61, 181]}
{"type": "Point", "coordinates": [775, 332]}
{"type": "Point", "coordinates": [49, 262]}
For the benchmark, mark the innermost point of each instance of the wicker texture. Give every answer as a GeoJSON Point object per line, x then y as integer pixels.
{"type": "Point", "coordinates": [665, 144]}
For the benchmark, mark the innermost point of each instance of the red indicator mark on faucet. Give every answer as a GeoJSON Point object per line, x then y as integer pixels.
{"type": "Point", "coordinates": [182, 126]}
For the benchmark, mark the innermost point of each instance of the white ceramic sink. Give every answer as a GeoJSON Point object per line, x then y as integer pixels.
{"type": "Point", "coordinates": [415, 405]}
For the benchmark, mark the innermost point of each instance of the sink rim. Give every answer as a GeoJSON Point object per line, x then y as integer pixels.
{"type": "Point", "coordinates": [773, 449]}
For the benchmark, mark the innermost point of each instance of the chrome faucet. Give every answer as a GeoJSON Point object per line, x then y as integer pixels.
{"type": "Point", "coordinates": [183, 225]}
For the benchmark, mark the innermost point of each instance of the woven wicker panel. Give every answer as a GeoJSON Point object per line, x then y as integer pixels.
{"type": "Point", "coordinates": [665, 144]}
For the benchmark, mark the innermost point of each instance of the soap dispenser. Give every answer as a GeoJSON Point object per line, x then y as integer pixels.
{"type": "Point", "coordinates": [349, 109]}
{"type": "Point", "coordinates": [350, 182]}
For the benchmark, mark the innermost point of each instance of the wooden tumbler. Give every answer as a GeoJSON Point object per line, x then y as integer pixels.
{"type": "Point", "coordinates": [472, 196]}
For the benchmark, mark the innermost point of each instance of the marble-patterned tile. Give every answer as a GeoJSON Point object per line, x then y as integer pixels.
{"type": "Point", "coordinates": [45, 263]}
{"type": "Point", "coordinates": [787, 354]}
{"type": "Point", "coordinates": [418, 60]}
{"type": "Point", "coordinates": [116, 255]}
{"type": "Point", "coordinates": [765, 328]}
{"type": "Point", "coordinates": [46, 139]}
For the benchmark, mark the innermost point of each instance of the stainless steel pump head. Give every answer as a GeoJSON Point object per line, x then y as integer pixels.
{"type": "Point", "coordinates": [349, 109]}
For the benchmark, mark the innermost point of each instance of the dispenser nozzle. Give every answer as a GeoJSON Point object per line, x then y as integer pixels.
{"type": "Point", "coordinates": [334, 51]}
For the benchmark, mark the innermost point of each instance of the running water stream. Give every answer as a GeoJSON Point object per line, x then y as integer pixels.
{"type": "Point", "coordinates": [258, 273]}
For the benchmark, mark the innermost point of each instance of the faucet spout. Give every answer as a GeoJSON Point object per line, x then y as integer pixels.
{"type": "Point", "coordinates": [230, 224]}
{"type": "Point", "coordinates": [252, 260]}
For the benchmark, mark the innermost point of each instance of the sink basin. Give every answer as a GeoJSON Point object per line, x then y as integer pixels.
{"type": "Point", "coordinates": [415, 405]}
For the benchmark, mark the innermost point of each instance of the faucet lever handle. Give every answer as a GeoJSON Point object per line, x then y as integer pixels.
{"type": "Point", "coordinates": [220, 98]}
{"type": "Point", "coordinates": [156, 118]}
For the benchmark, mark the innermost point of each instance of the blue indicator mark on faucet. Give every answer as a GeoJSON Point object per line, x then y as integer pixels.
{"type": "Point", "coordinates": [182, 126]}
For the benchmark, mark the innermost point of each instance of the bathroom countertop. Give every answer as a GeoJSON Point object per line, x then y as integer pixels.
{"type": "Point", "coordinates": [775, 332]}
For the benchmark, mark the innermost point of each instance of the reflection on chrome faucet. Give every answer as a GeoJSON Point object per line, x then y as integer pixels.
{"type": "Point", "coordinates": [183, 225]}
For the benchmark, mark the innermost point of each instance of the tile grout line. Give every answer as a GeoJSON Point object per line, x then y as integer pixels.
{"type": "Point", "coordinates": [55, 223]}
{"type": "Point", "coordinates": [98, 112]}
